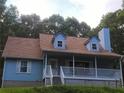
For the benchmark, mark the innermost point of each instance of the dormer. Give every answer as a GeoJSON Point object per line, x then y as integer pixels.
{"type": "Point", "coordinates": [59, 41]}
{"type": "Point", "coordinates": [93, 44]}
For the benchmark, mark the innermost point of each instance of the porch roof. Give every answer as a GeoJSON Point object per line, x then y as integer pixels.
{"type": "Point", "coordinates": [82, 53]}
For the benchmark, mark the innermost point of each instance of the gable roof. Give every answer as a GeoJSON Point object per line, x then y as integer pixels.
{"type": "Point", "coordinates": [33, 48]}
{"type": "Point", "coordinates": [74, 45]}
{"type": "Point", "coordinates": [22, 48]}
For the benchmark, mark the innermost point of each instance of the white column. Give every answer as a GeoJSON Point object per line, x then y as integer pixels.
{"type": "Point", "coordinates": [96, 66]}
{"type": "Point", "coordinates": [45, 60]}
{"type": "Point", "coordinates": [73, 66]}
{"type": "Point", "coordinates": [121, 72]}
{"type": "Point", "coordinates": [45, 67]}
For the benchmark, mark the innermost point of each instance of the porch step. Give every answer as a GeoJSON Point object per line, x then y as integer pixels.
{"type": "Point", "coordinates": [57, 81]}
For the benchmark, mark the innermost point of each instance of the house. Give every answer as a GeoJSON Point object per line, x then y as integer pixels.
{"type": "Point", "coordinates": [61, 59]}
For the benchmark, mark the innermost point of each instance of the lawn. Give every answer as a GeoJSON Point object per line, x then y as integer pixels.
{"type": "Point", "coordinates": [63, 89]}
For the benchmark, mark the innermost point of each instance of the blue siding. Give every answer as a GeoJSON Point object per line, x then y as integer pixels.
{"type": "Point", "coordinates": [59, 38]}
{"type": "Point", "coordinates": [104, 36]}
{"type": "Point", "coordinates": [10, 71]}
{"type": "Point", "coordinates": [93, 40]}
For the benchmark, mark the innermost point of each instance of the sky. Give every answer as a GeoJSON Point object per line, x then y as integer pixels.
{"type": "Point", "coordinates": [89, 11]}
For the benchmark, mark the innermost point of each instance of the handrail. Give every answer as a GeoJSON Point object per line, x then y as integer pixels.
{"type": "Point", "coordinates": [44, 73]}
{"type": "Point", "coordinates": [47, 73]}
{"type": "Point", "coordinates": [62, 75]}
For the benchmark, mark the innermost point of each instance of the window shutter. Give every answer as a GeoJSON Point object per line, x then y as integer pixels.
{"type": "Point", "coordinates": [29, 67]}
{"type": "Point", "coordinates": [18, 65]}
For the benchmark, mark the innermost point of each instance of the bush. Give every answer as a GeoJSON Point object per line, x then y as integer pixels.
{"type": "Point", "coordinates": [63, 89]}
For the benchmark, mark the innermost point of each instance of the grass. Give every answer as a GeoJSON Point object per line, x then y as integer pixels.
{"type": "Point", "coordinates": [63, 89]}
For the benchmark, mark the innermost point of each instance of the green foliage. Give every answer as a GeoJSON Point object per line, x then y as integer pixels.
{"type": "Point", "coordinates": [63, 89]}
{"type": "Point", "coordinates": [115, 21]}
{"type": "Point", "coordinates": [123, 4]}
{"type": "Point", "coordinates": [69, 26]}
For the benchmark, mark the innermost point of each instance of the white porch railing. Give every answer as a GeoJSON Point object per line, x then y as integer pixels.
{"type": "Point", "coordinates": [47, 73]}
{"type": "Point", "coordinates": [79, 72]}
{"type": "Point", "coordinates": [56, 71]}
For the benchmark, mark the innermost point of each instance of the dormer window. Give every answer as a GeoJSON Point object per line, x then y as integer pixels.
{"type": "Point", "coordinates": [59, 43]}
{"type": "Point", "coordinates": [94, 46]}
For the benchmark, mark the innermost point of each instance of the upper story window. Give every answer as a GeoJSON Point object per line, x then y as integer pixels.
{"type": "Point", "coordinates": [23, 66]}
{"type": "Point", "coordinates": [59, 43]}
{"type": "Point", "coordinates": [94, 46]}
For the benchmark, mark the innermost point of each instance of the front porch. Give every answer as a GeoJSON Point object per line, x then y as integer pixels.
{"type": "Point", "coordinates": [79, 69]}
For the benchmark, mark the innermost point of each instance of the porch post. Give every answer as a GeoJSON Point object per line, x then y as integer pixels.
{"type": "Point", "coordinates": [45, 67]}
{"type": "Point", "coordinates": [45, 61]}
{"type": "Point", "coordinates": [73, 66]}
{"type": "Point", "coordinates": [96, 66]}
{"type": "Point", "coordinates": [121, 72]}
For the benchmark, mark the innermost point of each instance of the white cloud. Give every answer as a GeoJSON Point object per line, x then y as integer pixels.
{"type": "Point", "coordinates": [40, 7]}
{"type": "Point", "coordinates": [89, 11]}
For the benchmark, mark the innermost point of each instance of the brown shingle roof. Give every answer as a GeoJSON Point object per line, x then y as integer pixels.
{"type": "Point", "coordinates": [33, 48]}
{"type": "Point", "coordinates": [22, 48]}
{"type": "Point", "coordinates": [74, 45]}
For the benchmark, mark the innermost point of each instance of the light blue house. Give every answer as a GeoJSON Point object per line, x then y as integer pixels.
{"type": "Point", "coordinates": [61, 59]}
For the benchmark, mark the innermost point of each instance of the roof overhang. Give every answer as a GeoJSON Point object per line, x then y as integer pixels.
{"type": "Point", "coordinates": [83, 53]}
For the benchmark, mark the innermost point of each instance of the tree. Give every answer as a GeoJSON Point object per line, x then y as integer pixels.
{"type": "Point", "coordinates": [2, 8]}
{"type": "Point", "coordinates": [53, 24]}
{"type": "Point", "coordinates": [123, 4]}
{"type": "Point", "coordinates": [71, 26]}
{"type": "Point", "coordinates": [7, 25]}
{"type": "Point", "coordinates": [28, 26]}
{"type": "Point", "coordinates": [85, 29]}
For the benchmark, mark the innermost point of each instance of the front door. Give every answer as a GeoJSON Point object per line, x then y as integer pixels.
{"type": "Point", "coordinates": [54, 66]}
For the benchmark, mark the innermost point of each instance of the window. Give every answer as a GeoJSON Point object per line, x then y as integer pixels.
{"type": "Point", "coordinates": [94, 47]}
{"type": "Point", "coordinates": [59, 43]}
{"type": "Point", "coordinates": [23, 66]}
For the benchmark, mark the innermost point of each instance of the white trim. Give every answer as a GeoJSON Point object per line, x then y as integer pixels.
{"type": "Point", "coordinates": [4, 67]}
{"type": "Point", "coordinates": [18, 67]}
{"type": "Point", "coordinates": [89, 78]}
